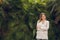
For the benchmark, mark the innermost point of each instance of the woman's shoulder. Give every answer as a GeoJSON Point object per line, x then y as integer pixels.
{"type": "Point", "coordinates": [47, 21]}
{"type": "Point", "coordinates": [38, 21]}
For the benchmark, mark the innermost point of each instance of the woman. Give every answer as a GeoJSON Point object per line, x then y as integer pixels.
{"type": "Point", "coordinates": [42, 27]}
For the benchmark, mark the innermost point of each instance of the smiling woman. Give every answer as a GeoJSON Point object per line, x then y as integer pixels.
{"type": "Point", "coordinates": [42, 27]}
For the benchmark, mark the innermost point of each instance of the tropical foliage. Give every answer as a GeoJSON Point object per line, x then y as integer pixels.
{"type": "Point", "coordinates": [18, 18]}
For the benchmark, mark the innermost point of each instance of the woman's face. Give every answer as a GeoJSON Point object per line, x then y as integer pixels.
{"type": "Point", "coordinates": [43, 17]}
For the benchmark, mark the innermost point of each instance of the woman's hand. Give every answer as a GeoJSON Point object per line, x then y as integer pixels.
{"type": "Point", "coordinates": [38, 28]}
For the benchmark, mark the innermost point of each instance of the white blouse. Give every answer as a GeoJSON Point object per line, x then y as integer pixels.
{"type": "Point", "coordinates": [42, 30]}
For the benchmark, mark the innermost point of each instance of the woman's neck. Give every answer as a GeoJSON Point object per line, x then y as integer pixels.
{"type": "Point", "coordinates": [43, 20]}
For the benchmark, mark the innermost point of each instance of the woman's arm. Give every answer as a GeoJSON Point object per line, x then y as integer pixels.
{"type": "Point", "coordinates": [46, 27]}
{"type": "Point", "coordinates": [38, 26]}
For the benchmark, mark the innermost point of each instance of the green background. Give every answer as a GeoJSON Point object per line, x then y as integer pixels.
{"type": "Point", "coordinates": [18, 18]}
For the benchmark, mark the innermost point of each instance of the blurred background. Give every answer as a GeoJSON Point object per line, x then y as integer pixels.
{"type": "Point", "coordinates": [18, 18]}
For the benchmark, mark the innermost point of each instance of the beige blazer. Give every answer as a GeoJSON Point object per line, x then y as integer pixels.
{"type": "Point", "coordinates": [42, 30]}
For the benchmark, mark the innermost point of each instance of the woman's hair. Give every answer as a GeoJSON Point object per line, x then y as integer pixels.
{"type": "Point", "coordinates": [40, 15]}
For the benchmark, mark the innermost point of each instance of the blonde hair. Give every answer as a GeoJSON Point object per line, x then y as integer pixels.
{"type": "Point", "coordinates": [40, 15]}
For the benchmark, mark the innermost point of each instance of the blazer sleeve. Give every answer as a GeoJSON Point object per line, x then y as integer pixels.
{"type": "Point", "coordinates": [46, 27]}
{"type": "Point", "coordinates": [37, 26]}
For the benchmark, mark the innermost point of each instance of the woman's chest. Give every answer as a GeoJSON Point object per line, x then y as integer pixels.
{"type": "Point", "coordinates": [42, 24]}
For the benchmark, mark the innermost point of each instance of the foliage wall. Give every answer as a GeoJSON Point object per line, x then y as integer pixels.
{"type": "Point", "coordinates": [18, 18]}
